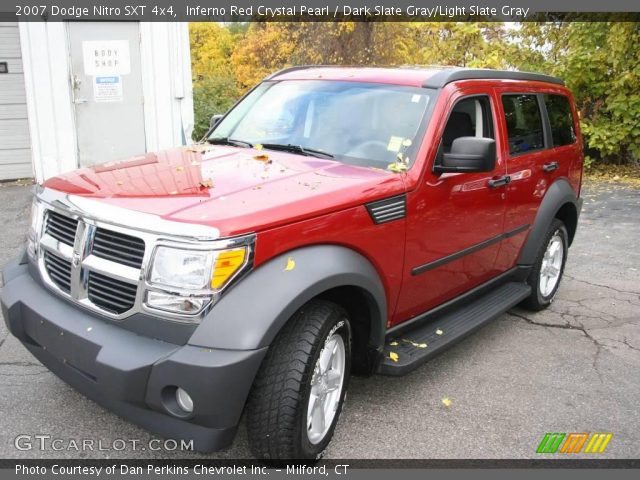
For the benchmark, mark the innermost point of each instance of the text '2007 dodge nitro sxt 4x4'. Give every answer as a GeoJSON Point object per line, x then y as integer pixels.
{"type": "Point", "coordinates": [335, 221]}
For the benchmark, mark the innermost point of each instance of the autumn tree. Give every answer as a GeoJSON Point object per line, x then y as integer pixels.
{"type": "Point", "coordinates": [600, 61]}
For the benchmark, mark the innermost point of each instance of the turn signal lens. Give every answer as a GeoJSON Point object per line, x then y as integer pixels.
{"type": "Point", "coordinates": [228, 262]}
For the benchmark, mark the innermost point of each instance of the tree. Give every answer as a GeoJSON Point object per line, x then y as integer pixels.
{"type": "Point", "coordinates": [600, 61]}
{"type": "Point", "coordinates": [214, 84]}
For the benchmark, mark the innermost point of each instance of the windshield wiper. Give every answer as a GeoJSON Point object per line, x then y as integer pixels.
{"type": "Point", "coordinates": [230, 141]}
{"type": "Point", "coordinates": [297, 149]}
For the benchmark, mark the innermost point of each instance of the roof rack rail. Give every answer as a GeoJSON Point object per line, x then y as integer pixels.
{"type": "Point", "coordinates": [445, 76]}
{"type": "Point", "coordinates": [296, 67]}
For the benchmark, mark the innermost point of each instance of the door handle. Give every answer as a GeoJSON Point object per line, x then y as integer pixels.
{"type": "Point", "coordinates": [550, 167]}
{"type": "Point", "coordinates": [499, 182]}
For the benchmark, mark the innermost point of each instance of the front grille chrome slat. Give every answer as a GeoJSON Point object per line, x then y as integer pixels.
{"type": "Point", "coordinates": [112, 295]}
{"type": "Point", "coordinates": [59, 270]}
{"type": "Point", "coordinates": [118, 247]}
{"type": "Point", "coordinates": [61, 228]}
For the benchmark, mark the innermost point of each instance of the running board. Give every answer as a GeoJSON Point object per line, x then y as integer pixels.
{"type": "Point", "coordinates": [407, 351]}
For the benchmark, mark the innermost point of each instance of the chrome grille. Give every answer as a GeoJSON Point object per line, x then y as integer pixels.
{"type": "Point", "coordinates": [118, 247]}
{"type": "Point", "coordinates": [61, 228]}
{"type": "Point", "coordinates": [59, 270]}
{"type": "Point", "coordinates": [98, 255]}
{"type": "Point", "coordinates": [95, 265]}
{"type": "Point", "coordinates": [113, 295]}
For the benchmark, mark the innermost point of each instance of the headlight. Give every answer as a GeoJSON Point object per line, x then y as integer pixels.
{"type": "Point", "coordinates": [185, 269]}
{"type": "Point", "coordinates": [185, 281]}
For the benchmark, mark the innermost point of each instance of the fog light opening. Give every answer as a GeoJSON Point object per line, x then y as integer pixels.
{"type": "Point", "coordinates": [184, 400]}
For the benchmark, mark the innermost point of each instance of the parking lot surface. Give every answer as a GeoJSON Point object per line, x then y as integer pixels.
{"type": "Point", "coordinates": [572, 368]}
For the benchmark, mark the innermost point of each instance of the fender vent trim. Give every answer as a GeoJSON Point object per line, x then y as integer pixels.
{"type": "Point", "coordinates": [388, 210]}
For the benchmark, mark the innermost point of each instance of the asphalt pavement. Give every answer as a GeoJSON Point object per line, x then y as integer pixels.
{"type": "Point", "coordinates": [572, 368]}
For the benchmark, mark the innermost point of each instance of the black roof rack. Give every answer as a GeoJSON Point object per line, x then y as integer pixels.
{"type": "Point", "coordinates": [448, 75]}
{"type": "Point", "coordinates": [297, 67]}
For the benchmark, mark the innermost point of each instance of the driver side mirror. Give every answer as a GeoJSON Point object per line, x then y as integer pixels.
{"type": "Point", "coordinates": [469, 154]}
{"type": "Point", "coordinates": [215, 119]}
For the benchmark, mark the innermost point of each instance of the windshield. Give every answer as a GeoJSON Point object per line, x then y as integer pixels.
{"type": "Point", "coordinates": [360, 123]}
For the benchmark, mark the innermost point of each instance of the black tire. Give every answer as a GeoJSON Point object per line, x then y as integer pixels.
{"type": "Point", "coordinates": [277, 405]}
{"type": "Point", "coordinates": [537, 300]}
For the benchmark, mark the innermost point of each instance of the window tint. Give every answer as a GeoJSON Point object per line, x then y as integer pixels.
{"type": "Point", "coordinates": [561, 120]}
{"type": "Point", "coordinates": [470, 117]}
{"type": "Point", "coordinates": [524, 123]}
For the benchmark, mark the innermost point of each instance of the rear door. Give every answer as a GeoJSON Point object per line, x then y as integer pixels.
{"type": "Point", "coordinates": [538, 152]}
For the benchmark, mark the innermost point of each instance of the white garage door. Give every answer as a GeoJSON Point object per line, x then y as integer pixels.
{"type": "Point", "coordinates": [15, 154]}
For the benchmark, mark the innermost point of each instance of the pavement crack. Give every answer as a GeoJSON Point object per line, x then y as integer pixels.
{"type": "Point", "coordinates": [21, 364]}
{"type": "Point", "coordinates": [626, 342]}
{"type": "Point", "coordinates": [628, 292]}
{"type": "Point", "coordinates": [566, 326]}
{"type": "Point", "coordinates": [599, 346]}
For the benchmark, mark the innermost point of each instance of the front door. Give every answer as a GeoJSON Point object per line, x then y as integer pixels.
{"type": "Point", "coordinates": [455, 220]}
{"type": "Point", "coordinates": [107, 90]}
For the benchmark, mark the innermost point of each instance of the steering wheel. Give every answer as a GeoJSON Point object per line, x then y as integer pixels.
{"type": "Point", "coordinates": [370, 148]}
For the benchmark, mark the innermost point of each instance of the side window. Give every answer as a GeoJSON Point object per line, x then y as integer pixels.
{"type": "Point", "coordinates": [524, 123]}
{"type": "Point", "coordinates": [561, 120]}
{"type": "Point", "coordinates": [470, 117]}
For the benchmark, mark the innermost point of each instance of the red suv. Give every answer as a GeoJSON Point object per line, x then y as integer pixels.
{"type": "Point", "coordinates": [335, 221]}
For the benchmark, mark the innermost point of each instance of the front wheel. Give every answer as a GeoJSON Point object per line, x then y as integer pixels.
{"type": "Point", "coordinates": [548, 268]}
{"type": "Point", "coordinates": [298, 393]}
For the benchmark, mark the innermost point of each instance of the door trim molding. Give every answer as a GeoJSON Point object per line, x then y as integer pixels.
{"type": "Point", "coordinates": [473, 248]}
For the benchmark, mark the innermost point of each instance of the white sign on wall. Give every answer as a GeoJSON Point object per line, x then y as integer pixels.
{"type": "Point", "coordinates": [107, 89]}
{"type": "Point", "coordinates": [106, 57]}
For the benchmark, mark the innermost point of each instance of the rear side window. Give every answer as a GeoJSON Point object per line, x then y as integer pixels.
{"type": "Point", "coordinates": [524, 123]}
{"type": "Point", "coordinates": [561, 120]}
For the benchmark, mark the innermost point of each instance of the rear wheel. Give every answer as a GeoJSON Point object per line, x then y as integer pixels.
{"type": "Point", "coordinates": [548, 268]}
{"type": "Point", "coordinates": [298, 393]}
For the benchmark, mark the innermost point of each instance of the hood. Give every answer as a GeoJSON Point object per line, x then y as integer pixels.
{"type": "Point", "coordinates": [236, 190]}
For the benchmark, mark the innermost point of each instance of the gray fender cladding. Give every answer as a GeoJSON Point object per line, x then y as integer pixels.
{"type": "Point", "coordinates": [558, 194]}
{"type": "Point", "coordinates": [251, 314]}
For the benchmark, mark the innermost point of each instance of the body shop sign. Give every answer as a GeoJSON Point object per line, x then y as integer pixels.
{"type": "Point", "coordinates": [106, 57]}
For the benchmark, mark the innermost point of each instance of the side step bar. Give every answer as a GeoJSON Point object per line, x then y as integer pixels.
{"type": "Point", "coordinates": [411, 349]}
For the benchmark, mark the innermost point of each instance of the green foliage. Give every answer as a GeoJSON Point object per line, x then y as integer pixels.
{"type": "Point", "coordinates": [211, 95]}
{"type": "Point", "coordinates": [600, 61]}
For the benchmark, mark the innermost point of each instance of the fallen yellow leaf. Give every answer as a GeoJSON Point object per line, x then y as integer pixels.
{"type": "Point", "coordinates": [180, 169]}
{"type": "Point", "coordinates": [258, 146]}
{"type": "Point", "coordinates": [291, 264]}
{"type": "Point", "coordinates": [393, 356]}
{"type": "Point", "coordinates": [263, 157]}
{"type": "Point", "coordinates": [397, 167]}
{"type": "Point", "coordinates": [446, 402]}
{"type": "Point", "coordinates": [439, 332]}
{"type": "Point", "coordinates": [394, 344]}
{"type": "Point", "coordinates": [415, 344]}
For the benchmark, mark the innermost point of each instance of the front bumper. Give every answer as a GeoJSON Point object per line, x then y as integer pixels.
{"type": "Point", "coordinates": [132, 375]}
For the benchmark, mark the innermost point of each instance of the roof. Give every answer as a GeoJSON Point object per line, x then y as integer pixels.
{"type": "Point", "coordinates": [429, 77]}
